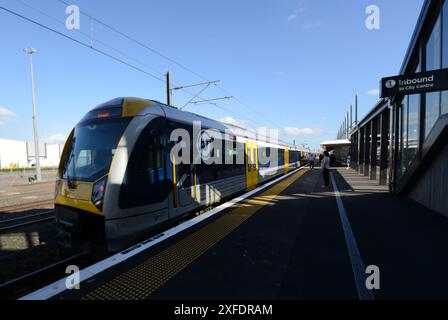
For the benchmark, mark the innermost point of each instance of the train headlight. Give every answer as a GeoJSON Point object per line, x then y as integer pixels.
{"type": "Point", "coordinates": [98, 191]}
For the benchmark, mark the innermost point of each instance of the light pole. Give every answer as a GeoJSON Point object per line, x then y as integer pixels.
{"type": "Point", "coordinates": [30, 52]}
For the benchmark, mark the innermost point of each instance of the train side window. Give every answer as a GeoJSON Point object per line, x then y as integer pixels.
{"type": "Point", "coordinates": [281, 157]}
{"type": "Point", "coordinates": [264, 154]}
{"type": "Point", "coordinates": [145, 181]}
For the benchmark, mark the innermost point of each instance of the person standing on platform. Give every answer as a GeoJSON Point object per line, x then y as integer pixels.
{"type": "Point", "coordinates": [325, 164]}
{"type": "Point", "coordinates": [312, 160]}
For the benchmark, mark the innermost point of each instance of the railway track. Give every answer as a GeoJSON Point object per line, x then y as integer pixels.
{"type": "Point", "coordinates": [20, 222]}
{"type": "Point", "coordinates": [23, 193]}
{"type": "Point", "coordinates": [25, 284]}
{"type": "Point", "coordinates": [27, 206]}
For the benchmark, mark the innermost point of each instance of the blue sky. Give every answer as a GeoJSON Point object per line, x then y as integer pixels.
{"type": "Point", "coordinates": [298, 63]}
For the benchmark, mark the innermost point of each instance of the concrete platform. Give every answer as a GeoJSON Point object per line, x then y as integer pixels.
{"type": "Point", "coordinates": [291, 242]}
{"type": "Point", "coordinates": [354, 181]}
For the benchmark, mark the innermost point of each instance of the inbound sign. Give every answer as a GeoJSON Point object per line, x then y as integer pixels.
{"type": "Point", "coordinates": [431, 81]}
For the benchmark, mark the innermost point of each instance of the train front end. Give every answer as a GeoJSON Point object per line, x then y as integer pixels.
{"type": "Point", "coordinates": [82, 181]}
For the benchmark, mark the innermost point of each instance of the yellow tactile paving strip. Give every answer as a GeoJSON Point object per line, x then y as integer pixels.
{"type": "Point", "coordinates": [140, 282]}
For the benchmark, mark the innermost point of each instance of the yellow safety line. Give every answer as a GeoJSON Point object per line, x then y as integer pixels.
{"type": "Point", "coordinates": [173, 161]}
{"type": "Point", "coordinates": [143, 280]}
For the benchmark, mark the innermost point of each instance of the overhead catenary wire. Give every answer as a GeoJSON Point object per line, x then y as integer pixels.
{"type": "Point", "coordinates": [89, 46]}
{"type": "Point", "coordinates": [160, 54]}
{"type": "Point", "coordinates": [89, 36]}
{"type": "Point", "coordinates": [109, 55]}
{"type": "Point", "coordinates": [92, 39]}
{"type": "Point", "coordinates": [81, 43]}
{"type": "Point", "coordinates": [137, 42]}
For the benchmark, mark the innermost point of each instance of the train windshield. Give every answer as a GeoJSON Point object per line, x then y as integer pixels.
{"type": "Point", "coordinates": [93, 146]}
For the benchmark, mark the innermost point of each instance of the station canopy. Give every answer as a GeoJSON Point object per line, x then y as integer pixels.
{"type": "Point", "coordinates": [335, 143]}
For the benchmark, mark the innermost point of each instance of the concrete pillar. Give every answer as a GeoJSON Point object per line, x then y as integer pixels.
{"type": "Point", "coordinates": [361, 150]}
{"type": "Point", "coordinates": [355, 150]}
{"type": "Point", "coordinates": [384, 163]}
{"type": "Point", "coordinates": [374, 149]}
{"type": "Point", "coordinates": [367, 133]}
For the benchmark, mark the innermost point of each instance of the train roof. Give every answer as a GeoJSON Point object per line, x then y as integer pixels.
{"type": "Point", "coordinates": [137, 106]}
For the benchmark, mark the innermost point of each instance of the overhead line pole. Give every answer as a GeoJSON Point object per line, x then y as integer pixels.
{"type": "Point", "coordinates": [351, 116]}
{"type": "Point", "coordinates": [168, 89]}
{"type": "Point", "coordinates": [30, 52]}
{"type": "Point", "coordinates": [348, 125]}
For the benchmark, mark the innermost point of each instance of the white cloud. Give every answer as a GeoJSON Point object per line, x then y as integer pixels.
{"type": "Point", "coordinates": [292, 17]}
{"type": "Point", "coordinates": [56, 139]}
{"type": "Point", "coordinates": [295, 132]}
{"type": "Point", "coordinates": [312, 25]}
{"type": "Point", "coordinates": [373, 92]}
{"type": "Point", "coordinates": [299, 10]}
{"type": "Point", "coordinates": [234, 122]}
{"type": "Point", "coordinates": [5, 115]}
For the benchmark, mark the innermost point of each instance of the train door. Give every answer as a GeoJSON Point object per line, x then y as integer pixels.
{"type": "Point", "coordinates": [185, 185]}
{"type": "Point", "coordinates": [286, 160]}
{"type": "Point", "coordinates": [251, 164]}
{"type": "Point", "coordinates": [183, 173]}
{"type": "Point", "coordinates": [146, 182]}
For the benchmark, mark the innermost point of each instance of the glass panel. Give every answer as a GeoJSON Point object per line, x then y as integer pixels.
{"type": "Point", "coordinates": [93, 146]}
{"type": "Point", "coordinates": [444, 101]}
{"type": "Point", "coordinates": [281, 157]}
{"type": "Point", "coordinates": [445, 32]}
{"type": "Point", "coordinates": [146, 181]}
{"type": "Point", "coordinates": [432, 111]}
{"type": "Point", "coordinates": [445, 55]}
{"type": "Point", "coordinates": [413, 127]}
{"type": "Point", "coordinates": [433, 48]}
{"type": "Point", "coordinates": [404, 136]}
{"type": "Point", "coordinates": [399, 141]}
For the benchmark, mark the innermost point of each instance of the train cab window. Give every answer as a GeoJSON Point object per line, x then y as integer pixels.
{"type": "Point", "coordinates": [85, 158]}
{"type": "Point", "coordinates": [90, 154]}
{"type": "Point", "coordinates": [145, 181]}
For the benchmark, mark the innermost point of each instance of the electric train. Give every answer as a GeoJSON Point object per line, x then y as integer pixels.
{"type": "Point", "coordinates": [118, 178]}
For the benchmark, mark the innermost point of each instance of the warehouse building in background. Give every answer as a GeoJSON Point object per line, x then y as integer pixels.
{"type": "Point", "coordinates": [20, 154]}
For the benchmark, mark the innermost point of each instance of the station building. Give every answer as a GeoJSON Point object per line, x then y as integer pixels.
{"type": "Point", "coordinates": [20, 154]}
{"type": "Point", "coordinates": [403, 141]}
